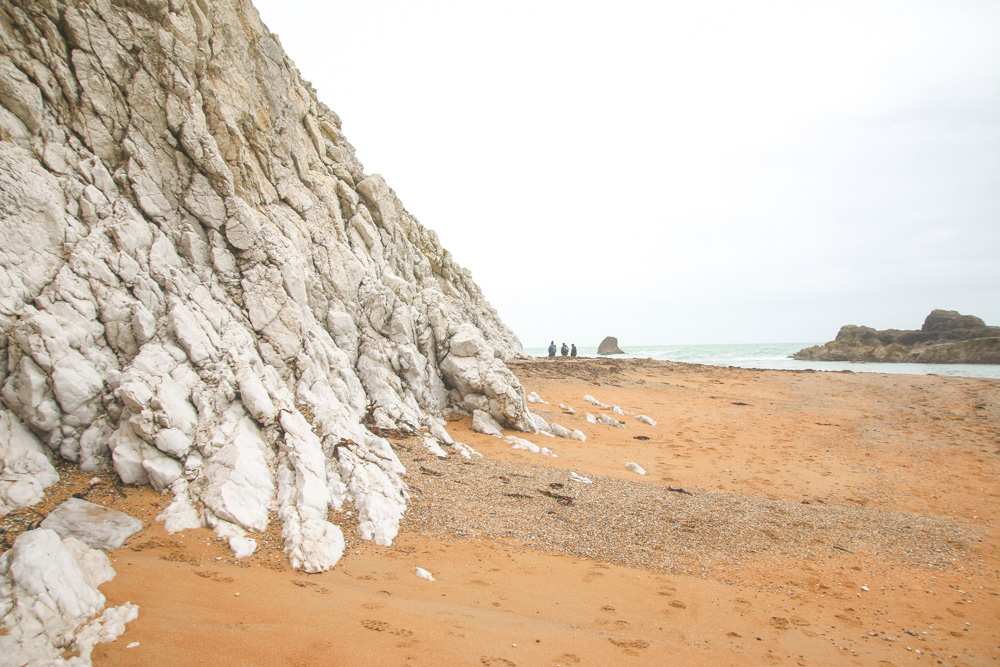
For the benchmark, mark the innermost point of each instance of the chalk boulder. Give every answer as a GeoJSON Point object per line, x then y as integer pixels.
{"type": "Point", "coordinates": [49, 600]}
{"type": "Point", "coordinates": [97, 527]}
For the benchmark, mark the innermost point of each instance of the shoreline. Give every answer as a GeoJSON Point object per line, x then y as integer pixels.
{"type": "Point", "coordinates": [829, 519]}
{"type": "Point", "coordinates": [762, 357]}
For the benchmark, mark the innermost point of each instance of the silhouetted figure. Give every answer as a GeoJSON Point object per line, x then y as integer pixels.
{"type": "Point", "coordinates": [552, 349]}
{"type": "Point", "coordinates": [564, 350]}
{"type": "Point", "coordinates": [572, 350]}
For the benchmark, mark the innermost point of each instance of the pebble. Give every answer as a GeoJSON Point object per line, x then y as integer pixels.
{"type": "Point", "coordinates": [636, 524]}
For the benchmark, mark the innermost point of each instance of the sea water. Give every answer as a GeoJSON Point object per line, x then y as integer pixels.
{"type": "Point", "coordinates": [776, 356]}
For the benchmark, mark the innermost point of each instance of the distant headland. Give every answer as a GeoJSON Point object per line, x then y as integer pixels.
{"type": "Point", "coordinates": [946, 337]}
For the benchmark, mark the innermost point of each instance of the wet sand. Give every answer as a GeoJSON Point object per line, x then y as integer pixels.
{"type": "Point", "coordinates": [835, 518]}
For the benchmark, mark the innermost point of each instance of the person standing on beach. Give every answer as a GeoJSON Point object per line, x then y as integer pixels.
{"type": "Point", "coordinates": [565, 350]}
{"type": "Point", "coordinates": [552, 349]}
{"type": "Point", "coordinates": [572, 350]}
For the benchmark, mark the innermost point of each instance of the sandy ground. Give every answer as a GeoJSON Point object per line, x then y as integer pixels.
{"type": "Point", "coordinates": [894, 445]}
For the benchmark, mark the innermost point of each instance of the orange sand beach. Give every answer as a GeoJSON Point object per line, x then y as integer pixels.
{"type": "Point", "coordinates": [786, 518]}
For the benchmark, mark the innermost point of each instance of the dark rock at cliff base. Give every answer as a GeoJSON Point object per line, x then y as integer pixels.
{"type": "Point", "coordinates": [946, 337]}
{"type": "Point", "coordinates": [609, 346]}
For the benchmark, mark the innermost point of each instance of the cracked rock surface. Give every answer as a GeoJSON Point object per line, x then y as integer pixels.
{"type": "Point", "coordinates": [199, 281]}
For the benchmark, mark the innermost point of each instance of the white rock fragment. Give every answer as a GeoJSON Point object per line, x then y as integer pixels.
{"type": "Point", "coordinates": [567, 408]}
{"type": "Point", "coordinates": [591, 399]}
{"type": "Point", "coordinates": [646, 420]}
{"type": "Point", "coordinates": [535, 398]}
{"type": "Point", "coordinates": [617, 410]}
{"type": "Point", "coordinates": [521, 443]}
{"type": "Point", "coordinates": [610, 421]}
{"type": "Point", "coordinates": [542, 426]}
{"type": "Point", "coordinates": [25, 471]}
{"type": "Point", "coordinates": [635, 467]}
{"type": "Point", "coordinates": [575, 477]}
{"type": "Point", "coordinates": [591, 419]}
{"type": "Point", "coordinates": [97, 527]}
{"type": "Point", "coordinates": [564, 432]}
{"type": "Point", "coordinates": [482, 422]}
{"type": "Point", "coordinates": [48, 593]}
{"type": "Point", "coordinates": [464, 450]}
{"type": "Point", "coordinates": [424, 574]}
{"type": "Point", "coordinates": [434, 447]}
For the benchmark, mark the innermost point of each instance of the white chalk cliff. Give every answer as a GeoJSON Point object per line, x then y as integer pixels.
{"type": "Point", "coordinates": [199, 282]}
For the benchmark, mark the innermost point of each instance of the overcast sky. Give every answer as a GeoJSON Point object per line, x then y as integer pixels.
{"type": "Point", "coordinates": [682, 172]}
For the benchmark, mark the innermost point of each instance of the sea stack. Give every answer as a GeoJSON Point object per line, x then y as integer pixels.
{"type": "Point", "coordinates": [609, 346]}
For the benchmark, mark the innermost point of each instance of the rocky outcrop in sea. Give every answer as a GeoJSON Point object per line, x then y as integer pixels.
{"type": "Point", "coordinates": [609, 346]}
{"type": "Point", "coordinates": [200, 284]}
{"type": "Point", "coordinates": [946, 337]}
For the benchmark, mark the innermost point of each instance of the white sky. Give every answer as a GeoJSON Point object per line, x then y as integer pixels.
{"type": "Point", "coordinates": [682, 172]}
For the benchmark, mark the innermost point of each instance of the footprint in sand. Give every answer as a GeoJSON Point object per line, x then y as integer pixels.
{"type": "Point", "coordinates": [608, 608]}
{"type": "Point", "coordinates": [214, 576]}
{"type": "Point", "coordinates": [377, 626]}
{"type": "Point", "coordinates": [847, 620]}
{"type": "Point", "coordinates": [780, 622]}
{"type": "Point", "coordinates": [630, 646]}
{"type": "Point", "coordinates": [678, 604]}
{"type": "Point", "coordinates": [497, 662]}
{"type": "Point", "coordinates": [569, 658]}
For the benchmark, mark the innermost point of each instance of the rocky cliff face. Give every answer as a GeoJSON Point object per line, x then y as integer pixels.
{"type": "Point", "coordinates": [946, 337]}
{"type": "Point", "coordinates": [199, 281]}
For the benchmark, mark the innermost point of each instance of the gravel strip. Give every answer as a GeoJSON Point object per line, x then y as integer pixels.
{"type": "Point", "coordinates": [649, 526]}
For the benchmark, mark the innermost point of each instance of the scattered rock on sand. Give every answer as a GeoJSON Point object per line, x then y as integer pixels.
{"type": "Point", "coordinates": [48, 588]}
{"type": "Point", "coordinates": [564, 432]}
{"type": "Point", "coordinates": [482, 422]}
{"type": "Point", "coordinates": [97, 527]}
